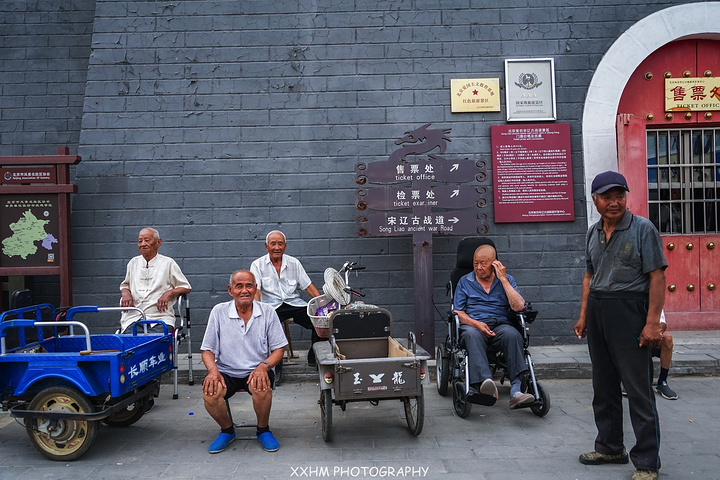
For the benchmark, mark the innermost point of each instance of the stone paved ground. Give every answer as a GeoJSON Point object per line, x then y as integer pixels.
{"type": "Point", "coordinates": [491, 444]}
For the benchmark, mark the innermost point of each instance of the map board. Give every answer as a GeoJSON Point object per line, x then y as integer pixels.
{"type": "Point", "coordinates": [29, 231]}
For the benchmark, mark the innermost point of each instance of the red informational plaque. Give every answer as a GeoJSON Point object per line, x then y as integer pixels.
{"type": "Point", "coordinates": [532, 173]}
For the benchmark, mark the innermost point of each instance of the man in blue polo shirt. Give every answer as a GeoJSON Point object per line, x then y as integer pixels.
{"type": "Point", "coordinates": [483, 299]}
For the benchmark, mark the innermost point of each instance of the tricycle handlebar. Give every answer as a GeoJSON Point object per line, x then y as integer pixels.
{"type": "Point", "coordinates": [348, 266]}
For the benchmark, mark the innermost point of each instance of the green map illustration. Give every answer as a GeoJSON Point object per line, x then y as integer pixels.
{"type": "Point", "coordinates": [26, 231]}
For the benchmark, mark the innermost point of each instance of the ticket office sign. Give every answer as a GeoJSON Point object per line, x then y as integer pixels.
{"type": "Point", "coordinates": [532, 173]}
{"type": "Point", "coordinates": [434, 169]}
{"type": "Point", "coordinates": [692, 94]}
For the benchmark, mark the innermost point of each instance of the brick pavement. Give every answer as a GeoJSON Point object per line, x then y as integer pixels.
{"type": "Point", "coordinates": [493, 443]}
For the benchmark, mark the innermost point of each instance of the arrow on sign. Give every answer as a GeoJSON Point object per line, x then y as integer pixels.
{"type": "Point", "coordinates": [453, 220]}
{"type": "Point", "coordinates": [454, 167]}
{"type": "Point", "coordinates": [455, 193]}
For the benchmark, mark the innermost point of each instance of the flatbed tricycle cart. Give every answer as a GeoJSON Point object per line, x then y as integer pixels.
{"type": "Point", "coordinates": [62, 384]}
{"type": "Point", "coordinates": [362, 361]}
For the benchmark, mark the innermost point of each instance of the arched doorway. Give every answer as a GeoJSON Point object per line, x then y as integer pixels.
{"type": "Point", "coordinates": [634, 136]}
{"type": "Point", "coordinates": [672, 162]}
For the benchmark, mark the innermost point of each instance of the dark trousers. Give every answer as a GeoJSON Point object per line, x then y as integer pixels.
{"type": "Point", "coordinates": [507, 339]}
{"type": "Point", "coordinates": [299, 316]}
{"type": "Point", "coordinates": [614, 323]}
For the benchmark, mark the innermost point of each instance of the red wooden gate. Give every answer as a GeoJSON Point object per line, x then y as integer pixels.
{"type": "Point", "coordinates": [692, 299]}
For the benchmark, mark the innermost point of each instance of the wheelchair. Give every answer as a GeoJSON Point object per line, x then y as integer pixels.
{"type": "Point", "coordinates": [452, 358]}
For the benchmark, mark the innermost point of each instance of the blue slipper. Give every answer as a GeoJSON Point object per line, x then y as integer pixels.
{"type": "Point", "coordinates": [221, 442]}
{"type": "Point", "coordinates": [268, 441]}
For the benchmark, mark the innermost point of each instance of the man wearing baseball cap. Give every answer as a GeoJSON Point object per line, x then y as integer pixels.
{"type": "Point", "coordinates": [622, 297]}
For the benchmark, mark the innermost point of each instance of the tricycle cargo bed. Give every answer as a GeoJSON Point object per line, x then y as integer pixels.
{"type": "Point", "coordinates": [374, 376]}
{"type": "Point", "coordinates": [361, 361]}
{"type": "Point", "coordinates": [375, 366]}
{"type": "Point", "coordinates": [360, 348]}
{"type": "Point", "coordinates": [114, 365]}
{"type": "Point", "coordinates": [100, 344]}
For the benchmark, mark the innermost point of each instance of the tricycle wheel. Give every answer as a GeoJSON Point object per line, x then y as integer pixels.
{"type": "Point", "coordinates": [541, 407]}
{"type": "Point", "coordinates": [442, 364]}
{"type": "Point", "coordinates": [415, 412]}
{"type": "Point", "coordinates": [460, 402]}
{"type": "Point", "coordinates": [128, 415]}
{"type": "Point", "coordinates": [326, 412]}
{"type": "Point", "coordinates": [61, 440]}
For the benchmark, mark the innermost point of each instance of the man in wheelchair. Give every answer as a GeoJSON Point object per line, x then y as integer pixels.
{"type": "Point", "coordinates": [482, 301]}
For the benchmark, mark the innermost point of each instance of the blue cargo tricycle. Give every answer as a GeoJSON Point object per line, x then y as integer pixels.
{"type": "Point", "coordinates": [62, 383]}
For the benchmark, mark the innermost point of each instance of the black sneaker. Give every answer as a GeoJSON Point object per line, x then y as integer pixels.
{"type": "Point", "coordinates": [666, 392]}
{"type": "Point", "coordinates": [597, 458]}
{"type": "Point", "coordinates": [312, 361]}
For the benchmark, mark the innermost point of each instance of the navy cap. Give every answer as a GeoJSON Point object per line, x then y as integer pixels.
{"type": "Point", "coordinates": [606, 180]}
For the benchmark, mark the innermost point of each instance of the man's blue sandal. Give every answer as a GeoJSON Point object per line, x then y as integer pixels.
{"type": "Point", "coordinates": [221, 442]}
{"type": "Point", "coordinates": [268, 441]}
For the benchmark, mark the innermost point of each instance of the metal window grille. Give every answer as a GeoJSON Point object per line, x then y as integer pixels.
{"type": "Point", "coordinates": [683, 175]}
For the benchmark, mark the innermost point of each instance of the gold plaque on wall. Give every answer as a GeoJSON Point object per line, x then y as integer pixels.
{"type": "Point", "coordinates": [475, 95]}
{"type": "Point", "coordinates": [692, 94]}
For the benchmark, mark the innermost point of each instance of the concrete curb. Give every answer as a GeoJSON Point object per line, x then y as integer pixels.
{"type": "Point", "coordinates": [695, 353]}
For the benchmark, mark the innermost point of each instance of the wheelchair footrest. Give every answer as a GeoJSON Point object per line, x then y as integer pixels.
{"type": "Point", "coordinates": [481, 399]}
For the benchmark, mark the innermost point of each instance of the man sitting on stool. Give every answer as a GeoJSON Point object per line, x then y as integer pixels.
{"type": "Point", "coordinates": [280, 278]}
{"type": "Point", "coordinates": [243, 342]}
{"type": "Point", "coordinates": [483, 299]}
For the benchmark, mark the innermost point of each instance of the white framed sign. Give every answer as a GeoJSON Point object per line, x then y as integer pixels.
{"type": "Point", "coordinates": [530, 89]}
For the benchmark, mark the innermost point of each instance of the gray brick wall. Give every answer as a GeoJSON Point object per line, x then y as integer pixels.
{"type": "Point", "coordinates": [44, 52]}
{"type": "Point", "coordinates": [217, 121]}
{"type": "Point", "coordinates": [44, 56]}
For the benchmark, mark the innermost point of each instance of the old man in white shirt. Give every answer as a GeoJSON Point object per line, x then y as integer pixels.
{"type": "Point", "coordinates": [152, 283]}
{"type": "Point", "coordinates": [280, 278]}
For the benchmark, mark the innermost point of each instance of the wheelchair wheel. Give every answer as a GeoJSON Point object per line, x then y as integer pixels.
{"type": "Point", "coordinates": [542, 405]}
{"type": "Point", "coordinates": [326, 413]}
{"type": "Point", "coordinates": [442, 365]}
{"type": "Point", "coordinates": [460, 403]}
{"type": "Point", "coordinates": [415, 412]}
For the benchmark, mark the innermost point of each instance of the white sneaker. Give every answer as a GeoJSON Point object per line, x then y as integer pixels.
{"type": "Point", "coordinates": [520, 398]}
{"type": "Point", "coordinates": [488, 388]}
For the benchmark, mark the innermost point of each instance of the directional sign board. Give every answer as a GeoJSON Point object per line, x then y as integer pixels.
{"type": "Point", "coordinates": [408, 196]}
{"type": "Point", "coordinates": [436, 169]}
{"type": "Point", "coordinates": [390, 197]}
{"type": "Point", "coordinates": [456, 222]}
